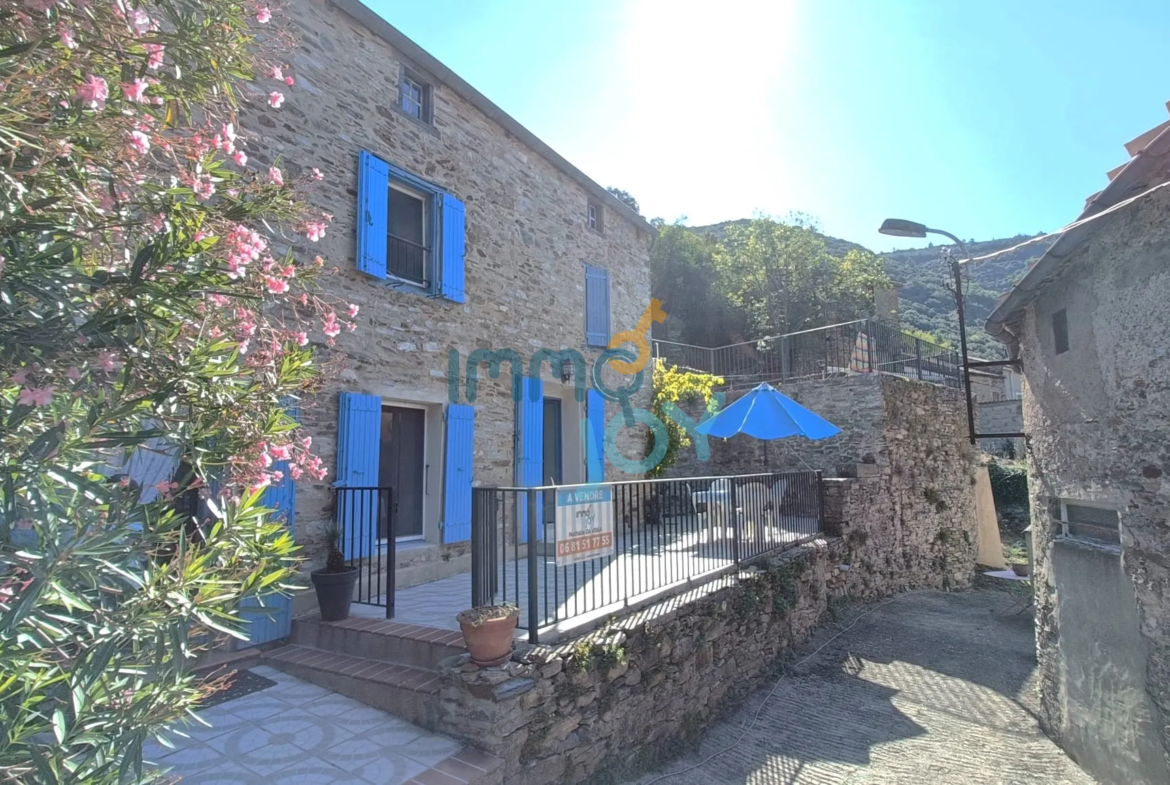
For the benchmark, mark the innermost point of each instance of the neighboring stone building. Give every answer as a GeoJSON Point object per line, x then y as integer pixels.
{"type": "Point", "coordinates": [1089, 322]}
{"type": "Point", "coordinates": [455, 230]}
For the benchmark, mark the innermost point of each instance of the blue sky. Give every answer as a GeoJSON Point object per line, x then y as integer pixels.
{"type": "Point", "coordinates": [988, 119]}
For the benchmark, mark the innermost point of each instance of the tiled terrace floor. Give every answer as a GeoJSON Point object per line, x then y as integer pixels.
{"type": "Point", "coordinates": [646, 561]}
{"type": "Point", "coordinates": [296, 732]}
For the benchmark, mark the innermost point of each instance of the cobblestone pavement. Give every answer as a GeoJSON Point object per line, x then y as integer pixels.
{"type": "Point", "coordinates": [931, 688]}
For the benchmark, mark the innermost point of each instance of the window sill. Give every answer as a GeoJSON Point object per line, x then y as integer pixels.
{"type": "Point", "coordinates": [424, 125]}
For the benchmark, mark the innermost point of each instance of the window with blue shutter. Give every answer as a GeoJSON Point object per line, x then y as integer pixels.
{"type": "Point", "coordinates": [411, 233]}
{"type": "Point", "coordinates": [359, 438]}
{"type": "Point", "coordinates": [457, 475]}
{"type": "Point", "coordinates": [595, 437]}
{"type": "Point", "coordinates": [530, 449]}
{"type": "Point", "coordinates": [373, 207]}
{"type": "Point", "coordinates": [596, 306]}
{"type": "Point", "coordinates": [454, 238]}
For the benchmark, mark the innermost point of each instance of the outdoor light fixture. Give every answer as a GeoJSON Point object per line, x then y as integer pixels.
{"type": "Point", "coordinates": [566, 370]}
{"type": "Point", "coordinates": [898, 227]}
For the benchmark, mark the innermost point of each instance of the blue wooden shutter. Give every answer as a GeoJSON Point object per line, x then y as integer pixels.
{"type": "Point", "coordinates": [454, 243]}
{"type": "Point", "coordinates": [530, 449]}
{"type": "Point", "coordinates": [596, 306]}
{"type": "Point", "coordinates": [359, 441]}
{"type": "Point", "coordinates": [372, 214]}
{"type": "Point", "coordinates": [270, 616]}
{"type": "Point", "coordinates": [457, 473]}
{"type": "Point", "coordinates": [595, 438]}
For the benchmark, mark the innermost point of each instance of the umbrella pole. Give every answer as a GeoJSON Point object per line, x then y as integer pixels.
{"type": "Point", "coordinates": [767, 466]}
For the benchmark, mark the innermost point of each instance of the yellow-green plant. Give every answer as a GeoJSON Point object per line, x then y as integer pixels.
{"type": "Point", "coordinates": [672, 388]}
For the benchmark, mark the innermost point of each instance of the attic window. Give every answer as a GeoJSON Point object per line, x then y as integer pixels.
{"type": "Point", "coordinates": [414, 97]}
{"type": "Point", "coordinates": [593, 216]}
{"type": "Point", "coordinates": [1060, 331]}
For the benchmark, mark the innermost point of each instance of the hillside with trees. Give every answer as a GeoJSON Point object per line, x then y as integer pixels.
{"type": "Point", "coordinates": [743, 279]}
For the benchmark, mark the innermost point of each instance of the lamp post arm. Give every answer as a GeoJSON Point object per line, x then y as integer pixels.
{"type": "Point", "coordinates": [957, 272]}
{"type": "Point", "coordinates": [956, 240]}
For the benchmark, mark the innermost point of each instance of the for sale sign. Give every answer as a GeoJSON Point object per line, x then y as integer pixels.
{"type": "Point", "coordinates": [584, 524]}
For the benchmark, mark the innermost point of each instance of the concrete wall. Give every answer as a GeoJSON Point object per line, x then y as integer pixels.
{"type": "Point", "coordinates": [1098, 429]}
{"type": "Point", "coordinates": [1000, 417]}
{"type": "Point", "coordinates": [526, 246]}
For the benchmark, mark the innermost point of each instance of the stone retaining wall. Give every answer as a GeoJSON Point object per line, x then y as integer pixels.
{"type": "Point", "coordinates": [642, 689]}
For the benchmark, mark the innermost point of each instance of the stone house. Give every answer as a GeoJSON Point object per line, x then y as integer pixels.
{"type": "Point", "coordinates": [458, 234]}
{"type": "Point", "coordinates": [1089, 322]}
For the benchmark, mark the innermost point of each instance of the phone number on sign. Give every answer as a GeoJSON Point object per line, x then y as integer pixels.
{"type": "Point", "coordinates": [578, 545]}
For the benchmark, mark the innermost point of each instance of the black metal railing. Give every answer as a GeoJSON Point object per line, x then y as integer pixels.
{"type": "Point", "coordinates": [365, 518]}
{"type": "Point", "coordinates": [864, 346]}
{"type": "Point", "coordinates": [665, 534]}
{"type": "Point", "coordinates": [407, 260]}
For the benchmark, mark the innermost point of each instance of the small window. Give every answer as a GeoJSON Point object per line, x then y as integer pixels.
{"type": "Point", "coordinates": [1085, 521]}
{"type": "Point", "coordinates": [1060, 331]}
{"type": "Point", "coordinates": [408, 255]}
{"type": "Point", "coordinates": [593, 214]}
{"type": "Point", "coordinates": [414, 97]}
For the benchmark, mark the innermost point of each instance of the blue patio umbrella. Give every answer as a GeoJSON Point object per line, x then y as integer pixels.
{"type": "Point", "coordinates": [766, 413]}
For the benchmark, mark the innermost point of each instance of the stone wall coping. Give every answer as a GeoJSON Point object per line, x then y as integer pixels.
{"type": "Point", "coordinates": [427, 62]}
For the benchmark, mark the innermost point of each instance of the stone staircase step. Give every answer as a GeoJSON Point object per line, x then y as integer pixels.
{"type": "Point", "coordinates": [469, 766]}
{"type": "Point", "coordinates": [402, 690]}
{"type": "Point", "coordinates": [379, 639]}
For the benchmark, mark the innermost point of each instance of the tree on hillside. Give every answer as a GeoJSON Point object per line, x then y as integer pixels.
{"type": "Point", "coordinates": [682, 276]}
{"type": "Point", "coordinates": [779, 277]}
{"type": "Point", "coordinates": [151, 307]}
{"type": "Point", "coordinates": [626, 199]}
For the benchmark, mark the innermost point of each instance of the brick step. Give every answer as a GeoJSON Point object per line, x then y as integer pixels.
{"type": "Point", "coordinates": [404, 691]}
{"type": "Point", "coordinates": [379, 639]}
{"type": "Point", "coordinates": [469, 766]}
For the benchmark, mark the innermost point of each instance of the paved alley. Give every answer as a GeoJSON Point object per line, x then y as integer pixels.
{"type": "Point", "coordinates": [931, 688]}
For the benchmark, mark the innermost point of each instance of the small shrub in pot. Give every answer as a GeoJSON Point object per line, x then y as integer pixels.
{"type": "Point", "coordinates": [488, 631]}
{"type": "Point", "coordinates": [334, 583]}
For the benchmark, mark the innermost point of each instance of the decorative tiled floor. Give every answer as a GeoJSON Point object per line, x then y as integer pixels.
{"type": "Point", "coordinates": [297, 732]}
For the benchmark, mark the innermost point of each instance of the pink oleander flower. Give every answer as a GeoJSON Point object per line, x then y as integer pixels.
{"type": "Point", "coordinates": [330, 326]}
{"type": "Point", "coordinates": [263, 15]}
{"type": "Point", "coordinates": [65, 33]}
{"type": "Point", "coordinates": [275, 176]}
{"type": "Point", "coordinates": [203, 187]}
{"type": "Point", "coordinates": [73, 374]}
{"type": "Point", "coordinates": [302, 339]}
{"type": "Point", "coordinates": [276, 285]}
{"type": "Point", "coordinates": [135, 91]}
{"type": "Point", "coordinates": [295, 471]}
{"type": "Point", "coordinates": [93, 92]}
{"type": "Point", "coordinates": [288, 80]}
{"type": "Point", "coordinates": [140, 21]}
{"type": "Point", "coordinates": [20, 377]}
{"type": "Point", "coordinates": [281, 452]}
{"type": "Point", "coordinates": [314, 231]}
{"type": "Point", "coordinates": [275, 99]}
{"type": "Point", "coordinates": [240, 157]}
{"type": "Point", "coordinates": [108, 361]}
{"type": "Point", "coordinates": [229, 132]}
{"type": "Point", "coordinates": [353, 310]}
{"type": "Point", "coordinates": [315, 173]}
{"type": "Point", "coordinates": [276, 73]}
{"type": "Point", "coordinates": [35, 396]}
{"type": "Point", "coordinates": [139, 142]}
{"type": "Point", "coordinates": [156, 52]}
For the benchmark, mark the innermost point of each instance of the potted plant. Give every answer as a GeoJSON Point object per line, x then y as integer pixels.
{"type": "Point", "coordinates": [488, 630]}
{"type": "Point", "coordinates": [334, 582]}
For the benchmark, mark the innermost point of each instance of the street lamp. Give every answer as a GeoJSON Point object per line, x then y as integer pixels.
{"type": "Point", "coordinates": [897, 227]}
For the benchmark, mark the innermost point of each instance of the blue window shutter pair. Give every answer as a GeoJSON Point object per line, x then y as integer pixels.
{"type": "Point", "coordinates": [373, 207]}
{"type": "Point", "coordinates": [530, 449]}
{"type": "Point", "coordinates": [359, 443]}
{"type": "Point", "coordinates": [595, 437]}
{"type": "Point", "coordinates": [596, 306]}
{"type": "Point", "coordinates": [457, 477]}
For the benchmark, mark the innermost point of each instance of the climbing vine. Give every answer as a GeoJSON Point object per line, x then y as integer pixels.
{"type": "Point", "coordinates": [672, 387]}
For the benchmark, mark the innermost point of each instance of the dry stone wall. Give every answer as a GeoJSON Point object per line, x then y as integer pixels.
{"type": "Point", "coordinates": [640, 691]}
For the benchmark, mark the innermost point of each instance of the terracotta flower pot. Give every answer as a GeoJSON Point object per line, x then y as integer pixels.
{"type": "Point", "coordinates": [490, 641]}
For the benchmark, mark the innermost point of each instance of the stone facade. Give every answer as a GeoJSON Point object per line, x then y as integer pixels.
{"type": "Point", "coordinates": [527, 242]}
{"type": "Point", "coordinates": [1096, 415]}
{"type": "Point", "coordinates": [641, 690]}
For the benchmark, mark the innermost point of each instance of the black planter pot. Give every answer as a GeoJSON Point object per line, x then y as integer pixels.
{"type": "Point", "coordinates": [334, 592]}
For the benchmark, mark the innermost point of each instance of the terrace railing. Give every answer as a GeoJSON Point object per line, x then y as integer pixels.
{"type": "Point", "coordinates": [665, 535]}
{"type": "Point", "coordinates": [863, 346]}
